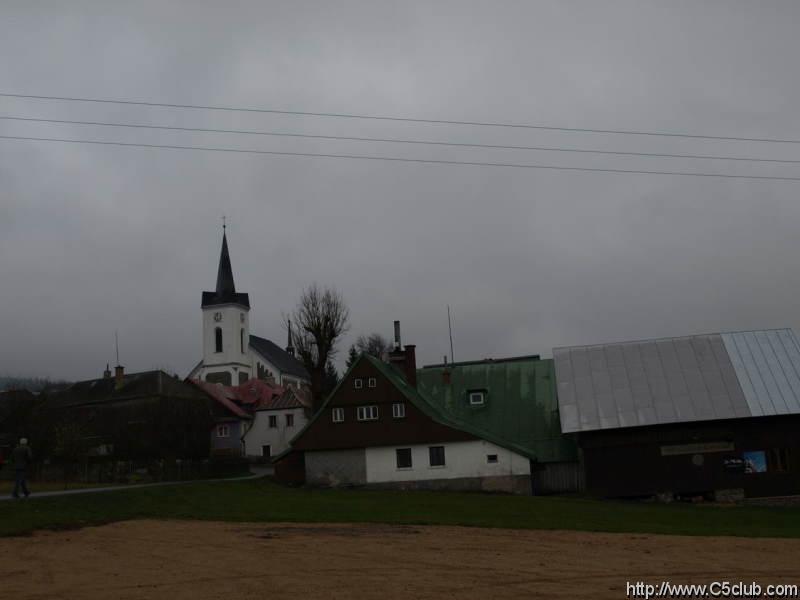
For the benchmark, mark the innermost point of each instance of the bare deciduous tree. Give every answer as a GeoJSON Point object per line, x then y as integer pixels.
{"type": "Point", "coordinates": [319, 321]}
{"type": "Point", "coordinates": [374, 344]}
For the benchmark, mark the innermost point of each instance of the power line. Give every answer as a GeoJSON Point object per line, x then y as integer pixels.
{"type": "Point", "coordinates": [399, 159]}
{"type": "Point", "coordinates": [398, 140]}
{"type": "Point", "coordinates": [405, 119]}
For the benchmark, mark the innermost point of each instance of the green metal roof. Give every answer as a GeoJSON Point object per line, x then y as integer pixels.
{"type": "Point", "coordinates": [520, 403]}
{"type": "Point", "coordinates": [435, 412]}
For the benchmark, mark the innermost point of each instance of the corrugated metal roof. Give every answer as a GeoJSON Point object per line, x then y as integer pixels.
{"type": "Point", "coordinates": [693, 378]}
{"type": "Point", "coordinates": [520, 404]}
{"type": "Point", "coordinates": [767, 364]}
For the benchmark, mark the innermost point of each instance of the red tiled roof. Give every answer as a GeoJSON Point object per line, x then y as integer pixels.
{"type": "Point", "coordinates": [223, 395]}
{"type": "Point", "coordinates": [255, 394]}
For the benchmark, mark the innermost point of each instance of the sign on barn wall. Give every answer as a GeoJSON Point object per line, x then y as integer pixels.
{"type": "Point", "coordinates": [698, 448]}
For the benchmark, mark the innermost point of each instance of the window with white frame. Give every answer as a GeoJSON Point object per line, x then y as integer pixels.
{"type": "Point", "coordinates": [337, 415]}
{"type": "Point", "coordinates": [223, 431]}
{"type": "Point", "coordinates": [477, 397]}
{"type": "Point", "coordinates": [367, 413]}
{"type": "Point", "coordinates": [359, 383]}
{"type": "Point", "coordinates": [372, 382]}
{"type": "Point", "coordinates": [398, 410]}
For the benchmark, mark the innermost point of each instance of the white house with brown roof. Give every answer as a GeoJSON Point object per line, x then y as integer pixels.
{"type": "Point", "coordinates": [276, 422]}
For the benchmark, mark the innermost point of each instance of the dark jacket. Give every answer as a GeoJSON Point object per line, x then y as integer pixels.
{"type": "Point", "coordinates": [22, 457]}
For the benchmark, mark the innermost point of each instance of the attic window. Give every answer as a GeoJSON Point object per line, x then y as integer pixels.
{"type": "Point", "coordinates": [491, 458]}
{"type": "Point", "coordinates": [359, 383]}
{"type": "Point", "coordinates": [372, 382]}
{"type": "Point", "coordinates": [477, 397]}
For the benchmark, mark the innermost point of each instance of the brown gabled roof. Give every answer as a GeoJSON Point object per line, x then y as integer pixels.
{"type": "Point", "coordinates": [291, 398]}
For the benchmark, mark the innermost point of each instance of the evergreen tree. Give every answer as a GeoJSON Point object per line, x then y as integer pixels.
{"type": "Point", "coordinates": [352, 356]}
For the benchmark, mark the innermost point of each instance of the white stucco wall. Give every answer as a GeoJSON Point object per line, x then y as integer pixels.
{"type": "Point", "coordinates": [260, 433]}
{"type": "Point", "coordinates": [462, 459]}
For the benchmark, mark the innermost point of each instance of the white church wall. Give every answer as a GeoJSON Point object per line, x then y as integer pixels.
{"type": "Point", "coordinates": [234, 323]}
{"type": "Point", "coordinates": [270, 369]}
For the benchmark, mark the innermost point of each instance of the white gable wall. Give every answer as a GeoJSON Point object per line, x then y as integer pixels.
{"type": "Point", "coordinates": [278, 438]}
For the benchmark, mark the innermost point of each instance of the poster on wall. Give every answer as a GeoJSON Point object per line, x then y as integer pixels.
{"type": "Point", "coordinates": [755, 462]}
{"type": "Point", "coordinates": [734, 464]}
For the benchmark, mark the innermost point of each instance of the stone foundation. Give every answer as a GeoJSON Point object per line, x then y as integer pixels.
{"type": "Point", "coordinates": [505, 484]}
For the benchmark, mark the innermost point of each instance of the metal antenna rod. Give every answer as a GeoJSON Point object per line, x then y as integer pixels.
{"type": "Point", "coordinates": [116, 343]}
{"type": "Point", "coordinates": [450, 328]}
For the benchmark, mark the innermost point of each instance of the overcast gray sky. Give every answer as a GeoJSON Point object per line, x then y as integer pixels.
{"type": "Point", "coordinates": [94, 239]}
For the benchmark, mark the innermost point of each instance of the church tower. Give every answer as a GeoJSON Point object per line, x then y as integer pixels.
{"type": "Point", "coordinates": [226, 328]}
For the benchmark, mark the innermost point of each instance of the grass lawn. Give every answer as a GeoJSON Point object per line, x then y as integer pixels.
{"type": "Point", "coordinates": [260, 500]}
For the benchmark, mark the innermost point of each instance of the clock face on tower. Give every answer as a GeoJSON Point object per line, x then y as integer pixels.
{"type": "Point", "coordinates": [218, 316]}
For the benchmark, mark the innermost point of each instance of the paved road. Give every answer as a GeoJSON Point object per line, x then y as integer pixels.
{"type": "Point", "coordinates": [255, 473]}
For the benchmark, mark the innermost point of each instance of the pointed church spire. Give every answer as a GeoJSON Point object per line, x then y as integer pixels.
{"type": "Point", "coordinates": [225, 284]}
{"type": "Point", "coordinates": [226, 290]}
{"type": "Point", "coordinates": [289, 343]}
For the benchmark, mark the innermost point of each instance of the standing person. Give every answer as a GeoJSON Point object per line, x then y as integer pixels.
{"type": "Point", "coordinates": [22, 461]}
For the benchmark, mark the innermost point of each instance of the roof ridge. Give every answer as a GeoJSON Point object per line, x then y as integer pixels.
{"type": "Point", "coordinates": [668, 337]}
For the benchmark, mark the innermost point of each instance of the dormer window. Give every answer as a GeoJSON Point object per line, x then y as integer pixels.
{"type": "Point", "coordinates": [476, 397]}
{"type": "Point", "coordinates": [359, 383]}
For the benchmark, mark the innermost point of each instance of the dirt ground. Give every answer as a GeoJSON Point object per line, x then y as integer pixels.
{"type": "Point", "coordinates": [200, 560]}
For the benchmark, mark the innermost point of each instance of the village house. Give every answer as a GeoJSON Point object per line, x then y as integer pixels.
{"type": "Point", "coordinates": [136, 416]}
{"type": "Point", "coordinates": [376, 429]}
{"type": "Point", "coordinates": [276, 421]}
{"type": "Point", "coordinates": [231, 420]}
{"type": "Point", "coordinates": [711, 415]}
{"type": "Point", "coordinates": [256, 419]}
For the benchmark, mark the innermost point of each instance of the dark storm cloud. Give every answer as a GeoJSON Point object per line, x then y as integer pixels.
{"type": "Point", "coordinates": [97, 239]}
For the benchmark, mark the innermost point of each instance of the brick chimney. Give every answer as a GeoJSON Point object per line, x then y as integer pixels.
{"type": "Point", "coordinates": [119, 375]}
{"type": "Point", "coordinates": [404, 357]}
{"type": "Point", "coordinates": [410, 364]}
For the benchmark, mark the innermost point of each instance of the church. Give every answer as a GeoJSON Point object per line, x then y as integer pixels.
{"type": "Point", "coordinates": [231, 355]}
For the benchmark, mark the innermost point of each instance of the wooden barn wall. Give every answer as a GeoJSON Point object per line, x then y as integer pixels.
{"type": "Point", "coordinates": [631, 462]}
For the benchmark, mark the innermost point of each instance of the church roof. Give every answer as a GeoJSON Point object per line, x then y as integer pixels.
{"type": "Point", "coordinates": [282, 360]}
{"type": "Point", "coordinates": [226, 289]}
